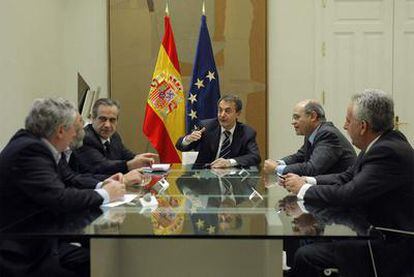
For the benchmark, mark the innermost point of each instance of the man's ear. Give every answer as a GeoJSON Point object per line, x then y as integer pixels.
{"type": "Point", "coordinates": [364, 127]}
{"type": "Point", "coordinates": [314, 116]}
{"type": "Point", "coordinates": [59, 131]}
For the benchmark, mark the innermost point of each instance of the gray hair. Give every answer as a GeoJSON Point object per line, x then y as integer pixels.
{"type": "Point", "coordinates": [104, 102]}
{"type": "Point", "coordinates": [314, 106]}
{"type": "Point", "coordinates": [232, 98]}
{"type": "Point", "coordinates": [375, 107]}
{"type": "Point", "coordinates": [47, 114]}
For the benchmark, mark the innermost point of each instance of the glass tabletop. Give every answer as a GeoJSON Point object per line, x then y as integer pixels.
{"type": "Point", "coordinates": [202, 203]}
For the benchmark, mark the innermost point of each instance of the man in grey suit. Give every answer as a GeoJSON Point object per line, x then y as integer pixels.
{"type": "Point", "coordinates": [381, 183]}
{"type": "Point", "coordinates": [325, 149]}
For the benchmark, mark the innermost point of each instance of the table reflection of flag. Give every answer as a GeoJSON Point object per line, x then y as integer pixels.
{"type": "Point", "coordinates": [204, 88]}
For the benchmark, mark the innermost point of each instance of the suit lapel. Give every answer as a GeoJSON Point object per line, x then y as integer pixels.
{"type": "Point", "coordinates": [96, 139]}
{"type": "Point", "coordinates": [358, 162]}
{"type": "Point", "coordinates": [236, 144]}
{"type": "Point", "coordinates": [216, 140]}
{"type": "Point", "coordinates": [308, 149]}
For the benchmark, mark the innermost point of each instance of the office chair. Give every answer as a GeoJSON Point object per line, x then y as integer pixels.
{"type": "Point", "coordinates": [383, 232]}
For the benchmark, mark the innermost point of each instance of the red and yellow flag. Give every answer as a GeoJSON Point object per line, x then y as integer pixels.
{"type": "Point", "coordinates": [165, 109]}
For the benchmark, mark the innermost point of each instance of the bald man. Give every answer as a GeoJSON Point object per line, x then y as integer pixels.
{"type": "Point", "coordinates": [325, 149]}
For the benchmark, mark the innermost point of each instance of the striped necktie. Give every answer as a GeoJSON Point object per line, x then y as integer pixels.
{"type": "Point", "coordinates": [227, 186]}
{"type": "Point", "coordinates": [225, 146]}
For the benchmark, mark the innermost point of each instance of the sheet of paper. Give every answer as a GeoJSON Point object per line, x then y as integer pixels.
{"type": "Point", "coordinates": [160, 167]}
{"type": "Point", "coordinates": [156, 168]}
{"type": "Point", "coordinates": [127, 198]}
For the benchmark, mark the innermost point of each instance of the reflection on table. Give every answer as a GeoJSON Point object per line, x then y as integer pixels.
{"type": "Point", "coordinates": [233, 203]}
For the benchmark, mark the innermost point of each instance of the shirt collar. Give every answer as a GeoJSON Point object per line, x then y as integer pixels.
{"type": "Point", "coordinates": [105, 140]}
{"type": "Point", "coordinates": [311, 138]}
{"type": "Point", "coordinates": [371, 143]}
{"type": "Point", "coordinates": [68, 152]}
{"type": "Point", "coordinates": [231, 130]}
{"type": "Point", "coordinates": [56, 154]}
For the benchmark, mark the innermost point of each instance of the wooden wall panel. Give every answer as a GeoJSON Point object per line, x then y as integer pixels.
{"type": "Point", "coordinates": [238, 32]}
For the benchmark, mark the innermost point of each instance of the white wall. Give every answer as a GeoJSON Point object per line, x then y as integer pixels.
{"type": "Point", "coordinates": [85, 44]}
{"type": "Point", "coordinates": [43, 45]}
{"type": "Point", "coordinates": [291, 50]}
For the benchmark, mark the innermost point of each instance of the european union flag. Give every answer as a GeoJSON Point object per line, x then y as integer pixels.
{"type": "Point", "coordinates": [204, 88]}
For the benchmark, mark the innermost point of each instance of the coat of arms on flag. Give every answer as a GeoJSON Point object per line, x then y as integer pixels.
{"type": "Point", "coordinates": [164, 93]}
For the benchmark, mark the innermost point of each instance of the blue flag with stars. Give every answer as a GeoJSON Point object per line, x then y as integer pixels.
{"type": "Point", "coordinates": [204, 88]}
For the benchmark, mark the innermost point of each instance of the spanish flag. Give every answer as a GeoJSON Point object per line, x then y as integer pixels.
{"type": "Point", "coordinates": [165, 109]}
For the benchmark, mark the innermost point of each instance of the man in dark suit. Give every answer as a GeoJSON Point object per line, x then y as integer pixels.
{"type": "Point", "coordinates": [103, 151]}
{"type": "Point", "coordinates": [381, 182]}
{"type": "Point", "coordinates": [325, 149]}
{"type": "Point", "coordinates": [223, 142]}
{"type": "Point", "coordinates": [30, 181]}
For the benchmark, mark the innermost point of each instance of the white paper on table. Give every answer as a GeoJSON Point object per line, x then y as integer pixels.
{"type": "Point", "coordinates": [127, 198]}
{"type": "Point", "coordinates": [160, 167]}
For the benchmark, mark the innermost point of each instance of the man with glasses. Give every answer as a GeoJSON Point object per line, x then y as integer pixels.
{"type": "Point", "coordinates": [325, 149]}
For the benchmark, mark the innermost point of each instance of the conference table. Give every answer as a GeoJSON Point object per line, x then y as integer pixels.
{"type": "Point", "coordinates": [208, 222]}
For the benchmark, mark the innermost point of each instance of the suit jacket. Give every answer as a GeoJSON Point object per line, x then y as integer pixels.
{"type": "Point", "coordinates": [30, 181]}
{"type": "Point", "coordinates": [381, 182]}
{"type": "Point", "coordinates": [330, 152]}
{"type": "Point", "coordinates": [244, 148]}
{"type": "Point", "coordinates": [81, 181]}
{"type": "Point", "coordinates": [392, 252]}
{"type": "Point", "coordinates": [91, 157]}
{"type": "Point", "coordinates": [39, 256]}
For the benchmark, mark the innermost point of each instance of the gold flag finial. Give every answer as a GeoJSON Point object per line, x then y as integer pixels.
{"type": "Point", "coordinates": [204, 8]}
{"type": "Point", "coordinates": [167, 12]}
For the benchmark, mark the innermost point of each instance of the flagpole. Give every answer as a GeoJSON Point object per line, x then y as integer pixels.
{"type": "Point", "coordinates": [167, 12]}
{"type": "Point", "coordinates": [204, 7]}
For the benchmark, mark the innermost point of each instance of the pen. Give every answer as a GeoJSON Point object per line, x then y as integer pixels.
{"type": "Point", "coordinates": [280, 176]}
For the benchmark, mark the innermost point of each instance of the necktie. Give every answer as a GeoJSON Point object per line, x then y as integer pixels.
{"type": "Point", "coordinates": [62, 162]}
{"type": "Point", "coordinates": [308, 150]}
{"type": "Point", "coordinates": [227, 186]}
{"type": "Point", "coordinates": [225, 146]}
{"type": "Point", "coordinates": [107, 148]}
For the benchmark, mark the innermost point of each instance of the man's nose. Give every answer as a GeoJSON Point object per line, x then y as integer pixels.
{"type": "Point", "coordinates": [107, 123]}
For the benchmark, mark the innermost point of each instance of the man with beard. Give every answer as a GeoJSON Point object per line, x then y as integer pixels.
{"type": "Point", "coordinates": [30, 181]}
